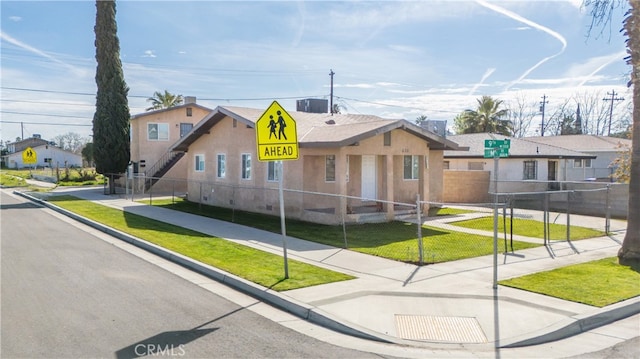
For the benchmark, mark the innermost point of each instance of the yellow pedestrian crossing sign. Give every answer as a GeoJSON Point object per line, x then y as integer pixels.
{"type": "Point", "coordinates": [276, 135]}
{"type": "Point", "coordinates": [29, 156]}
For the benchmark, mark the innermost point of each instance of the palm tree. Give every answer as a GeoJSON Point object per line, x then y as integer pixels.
{"type": "Point", "coordinates": [601, 10]}
{"type": "Point", "coordinates": [160, 101]}
{"type": "Point", "coordinates": [489, 117]}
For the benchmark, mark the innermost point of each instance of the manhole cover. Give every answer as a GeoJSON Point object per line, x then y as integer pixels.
{"type": "Point", "coordinates": [443, 329]}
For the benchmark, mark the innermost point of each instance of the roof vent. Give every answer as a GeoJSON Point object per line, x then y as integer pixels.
{"type": "Point", "coordinates": [330, 122]}
{"type": "Point", "coordinates": [189, 99]}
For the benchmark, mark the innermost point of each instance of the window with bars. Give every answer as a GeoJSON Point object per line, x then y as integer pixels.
{"type": "Point", "coordinates": [330, 168]}
{"type": "Point", "coordinates": [246, 166]}
{"type": "Point", "coordinates": [221, 171]}
{"type": "Point", "coordinates": [530, 170]}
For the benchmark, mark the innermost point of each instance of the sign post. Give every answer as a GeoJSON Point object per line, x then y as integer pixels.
{"type": "Point", "coordinates": [277, 140]}
{"type": "Point", "coordinates": [496, 149]}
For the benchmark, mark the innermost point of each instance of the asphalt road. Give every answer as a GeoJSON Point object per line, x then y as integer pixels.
{"type": "Point", "coordinates": [68, 294]}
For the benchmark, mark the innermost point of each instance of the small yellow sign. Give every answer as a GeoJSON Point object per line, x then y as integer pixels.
{"type": "Point", "coordinates": [276, 135]}
{"type": "Point", "coordinates": [29, 156]}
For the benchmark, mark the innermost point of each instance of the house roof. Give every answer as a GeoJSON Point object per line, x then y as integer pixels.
{"type": "Point", "coordinates": [583, 143]}
{"type": "Point", "coordinates": [318, 129]}
{"type": "Point", "coordinates": [520, 147]}
{"type": "Point", "coordinates": [155, 112]}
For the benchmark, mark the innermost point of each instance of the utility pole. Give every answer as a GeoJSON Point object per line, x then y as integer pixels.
{"type": "Point", "coordinates": [612, 99]}
{"type": "Point", "coordinates": [331, 73]}
{"type": "Point", "coordinates": [542, 106]}
{"type": "Point", "coordinates": [21, 131]}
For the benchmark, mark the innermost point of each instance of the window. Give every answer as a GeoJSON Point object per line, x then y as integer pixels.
{"type": "Point", "coordinates": [222, 165]}
{"type": "Point", "coordinates": [577, 163]}
{"type": "Point", "coordinates": [530, 170]}
{"type": "Point", "coordinates": [189, 112]}
{"type": "Point", "coordinates": [445, 165]}
{"type": "Point", "coordinates": [185, 128]}
{"type": "Point", "coordinates": [411, 165]}
{"type": "Point", "coordinates": [246, 166]}
{"type": "Point", "coordinates": [330, 168]}
{"type": "Point", "coordinates": [387, 139]}
{"type": "Point", "coordinates": [475, 166]}
{"type": "Point", "coordinates": [199, 162]}
{"type": "Point", "coordinates": [586, 163]}
{"type": "Point", "coordinates": [272, 171]}
{"type": "Point", "coordinates": [158, 131]}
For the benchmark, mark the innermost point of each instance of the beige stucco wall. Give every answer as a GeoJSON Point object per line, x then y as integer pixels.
{"type": "Point", "coordinates": [307, 173]}
{"type": "Point", "coordinates": [151, 151]}
{"type": "Point", "coordinates": [466, 186]}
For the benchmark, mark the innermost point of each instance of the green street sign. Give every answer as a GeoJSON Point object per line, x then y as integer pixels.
{"type": "Point", "coordinates": [497, 143]}
{"type": "Point", "coordinates": [496, 152]}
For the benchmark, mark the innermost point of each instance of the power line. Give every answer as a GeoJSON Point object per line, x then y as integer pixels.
{"type": "Point", "coordinates": [398, 106]}
{"type": "Point", "coordinates": [47, 123]}
{"type": "Point", "coordinates": [42, 114]}
{"type": "Point", "coordinates": [48, 102]}
{"type": "Point", "coordinates": [146, 97]}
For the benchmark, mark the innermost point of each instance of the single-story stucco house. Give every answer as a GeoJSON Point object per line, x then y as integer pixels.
{"type": "Point", "coordinates": [368, 160]}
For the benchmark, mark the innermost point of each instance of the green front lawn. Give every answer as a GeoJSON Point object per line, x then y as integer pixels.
{"type": "Point", "coordinates": [530, 228]}
{"type": "Point", "coordinates": [393, 240]}
{"type": "Point", "coordinates": [598, 283]}
{"type": "Point", "coordinates": [257, 266]}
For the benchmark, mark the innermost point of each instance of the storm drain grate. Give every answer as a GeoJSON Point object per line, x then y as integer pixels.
{"type": "Point", "coordinates": [444, 329]}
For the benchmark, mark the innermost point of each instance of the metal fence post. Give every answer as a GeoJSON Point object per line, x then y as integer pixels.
{"type": "Point", "coordinates": [568, 216]}
{"type": "Point", "coordinates": [420, 247]}
{"type": "Point", "coordinates": [607, 221]}
{"type": "Point", "coordinates": [343, 209]}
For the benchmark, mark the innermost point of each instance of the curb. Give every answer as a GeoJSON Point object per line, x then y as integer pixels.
{"type": "Point", "coordinates": [301, 310]}
{"type": "Point", "coordinates": [577, 324]}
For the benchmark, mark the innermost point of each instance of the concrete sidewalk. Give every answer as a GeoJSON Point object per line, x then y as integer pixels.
{"type": "Point", "coordinates": [443, 305]}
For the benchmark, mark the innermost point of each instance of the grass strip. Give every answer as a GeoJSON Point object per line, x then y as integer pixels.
{"type": "Point", "coordinates": [598, 283]}
{"type": "Point", "coordinates": [530, 228]}
{"type": "Point", "coordinates": [393, 240]}
{"type": "Point", "coordinates": [263, 268]}
{"type": "Point", "coordinates": [11, 181]}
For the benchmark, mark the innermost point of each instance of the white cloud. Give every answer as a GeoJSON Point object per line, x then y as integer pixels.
{"type": "Point", "coordinates": [149, 53]}
{"type": "Point", "coordinates": [484, 77]}
{"type": "Point", "coordinates": [15, 18]}
{"type": "Point", "coordinates": [514, 16]}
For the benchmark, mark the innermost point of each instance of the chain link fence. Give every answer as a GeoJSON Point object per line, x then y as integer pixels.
{"type": "Point", "coordinates": [421, 232]}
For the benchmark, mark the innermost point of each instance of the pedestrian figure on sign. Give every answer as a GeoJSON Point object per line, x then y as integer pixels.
{"type": "Point", "coordinates": [272, 127]}
{"type": "Point", "coordinates": [282, 125]}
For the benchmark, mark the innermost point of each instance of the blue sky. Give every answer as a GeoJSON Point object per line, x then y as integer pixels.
{"type": "Point", "coordinates": [393, 59]}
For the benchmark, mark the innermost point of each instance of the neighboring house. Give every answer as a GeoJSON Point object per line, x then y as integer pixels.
{"type": "Point", "coordinates": [47, 155]}
{"type": "Point", "coordinates": [32, 142]}
{"type": "Point", "coordinates": [360, 156]}
{"type": "Point", "coordinates": [606, 149]}
{"type": "Point", "coordinates": [528, 161]}
{"type": "Point", "coordinates": [154, 132]}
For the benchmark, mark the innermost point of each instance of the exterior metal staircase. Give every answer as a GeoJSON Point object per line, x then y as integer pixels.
{"type": "Point", "coordinates": [160, 168]}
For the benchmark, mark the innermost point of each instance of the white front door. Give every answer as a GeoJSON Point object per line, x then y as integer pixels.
{"type": "Point", "coordinates": [369, 188]}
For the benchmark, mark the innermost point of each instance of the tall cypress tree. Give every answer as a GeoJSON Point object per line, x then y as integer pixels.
{"type": "Point", "coordinates": [111, 120]}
